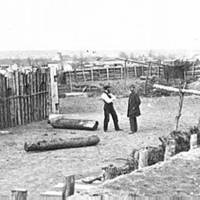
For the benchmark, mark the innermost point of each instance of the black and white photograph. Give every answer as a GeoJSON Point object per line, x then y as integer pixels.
{"type": "Point", "coordinates": [99, 99]}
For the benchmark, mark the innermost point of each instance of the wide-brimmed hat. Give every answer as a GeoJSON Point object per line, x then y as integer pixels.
{"type": "Point", "coordinates": [106, 87]}
{"type": "Point", "coordinates": [132, 86]}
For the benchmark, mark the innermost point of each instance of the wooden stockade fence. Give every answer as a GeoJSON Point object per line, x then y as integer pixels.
{"type": "Point", "coordinates": [24, 97]}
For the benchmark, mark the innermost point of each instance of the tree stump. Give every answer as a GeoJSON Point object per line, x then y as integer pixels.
{"type": "Point", "coordinates": [143, 158]}
{"type": "Point", "coordinates": [170, 149]}
{"type": "Point", "coordinates": [68, 188]}
{"type": "Point", "coordinates": [19, 194]}
{"type": "Point", "coordinates": [193, 141]}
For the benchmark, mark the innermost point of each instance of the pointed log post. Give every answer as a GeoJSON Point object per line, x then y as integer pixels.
{"type": "Point", "coordinates": [193, 141]}
{"type": "Point", "coordinates": [68, 188]}
{"type": "Point", "coordinates": [147, 76]}
{"type": "Point", "coordinates": [19, 194]}
{"type": "Point", "coordinates": [170, 149]}
{"type": "Point", "coordinates": [143, 158]}
{"type": "Point", "coordinates": [54, 88]}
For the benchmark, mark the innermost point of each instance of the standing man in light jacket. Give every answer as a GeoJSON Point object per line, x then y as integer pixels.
{"type": "Point", "coordinates": [133, 109]}
{"type": "Point", "coordinates": [108, 99]}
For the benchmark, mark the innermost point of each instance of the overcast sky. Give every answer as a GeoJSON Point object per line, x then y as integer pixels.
{"type": "Point", "coordinates": [99, 24]}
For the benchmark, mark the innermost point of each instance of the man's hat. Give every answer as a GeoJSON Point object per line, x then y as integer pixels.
{"type": "Point", "coordinates": [106, 87]}
{"type": "Point", "coordinates": [132, 86]}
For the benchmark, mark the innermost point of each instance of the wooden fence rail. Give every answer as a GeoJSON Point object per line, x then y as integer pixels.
{"type": "Point", "coordinates": [108, 73]}
{"type": "Point", "coordinates": [23, 97]}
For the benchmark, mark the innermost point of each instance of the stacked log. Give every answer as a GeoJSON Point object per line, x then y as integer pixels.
{"type": "Point", "coordinates": [60, 143]}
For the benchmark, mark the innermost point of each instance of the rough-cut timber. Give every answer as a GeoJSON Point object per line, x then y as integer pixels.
{"type": "Point", "coordinates": [172, 89]}
{"type": "Point", "coordinates": [60, 143]}
{"type": "Point", "coordinates": [61, 121]}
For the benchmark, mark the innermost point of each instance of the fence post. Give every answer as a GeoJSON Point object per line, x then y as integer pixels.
{"type": "Point", "coordinates": [193, 141]}
{"type": "Point", "coordinates": [170, 149]}
{"type": "Point", "coordinates": [143, 158]}
{"type": "Point", "coordinates": [135, 68]}
{"type": "Point", "coordinates": [83, 72]}
{"type": "Point", "coordinates": [92, 75]}
{"type": "Point", "coordinates": [68, 188]}
{"type": "Point", "coordinates": [54, 88]}
{"type": "Point", "coordinates": [107, 72]}
{"type": "Point", "coordinates": [19, 194]}
{"type": "Point", "coordinates": [121, 70]}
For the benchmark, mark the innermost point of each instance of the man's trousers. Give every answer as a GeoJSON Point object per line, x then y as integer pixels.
{"type": "Point", "coordinates": [133, 123]}
{"type": "Point", "coordinates": [109, 109]}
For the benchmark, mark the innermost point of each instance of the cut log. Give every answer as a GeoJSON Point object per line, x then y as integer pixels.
{"type": "Point", "coordinates": [193, 141]}
{"type": "Point", "coordinates": [60, 143]}
{"type": "Point", "coordinates": [19, 194]}
{"type": "Point", "coordinates": [61, 121]}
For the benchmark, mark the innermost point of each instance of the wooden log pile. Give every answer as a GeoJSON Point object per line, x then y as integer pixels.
{"type": "Point", "coordinates": [60, 143]}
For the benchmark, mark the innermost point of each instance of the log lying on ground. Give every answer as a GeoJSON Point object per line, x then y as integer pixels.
{"type": "Point", "coordinates": [60, 143]}
{"type": "Point", "coordinates": [61, 121]}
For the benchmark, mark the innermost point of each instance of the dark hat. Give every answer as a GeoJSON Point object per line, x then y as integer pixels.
{"type": "Point", "coordinates": [132, 86]}
{"type": "Point", "coordinates": [106, 87]}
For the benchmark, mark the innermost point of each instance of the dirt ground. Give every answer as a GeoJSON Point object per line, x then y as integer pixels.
{"type": "Point", "coordinates": [38, 172]}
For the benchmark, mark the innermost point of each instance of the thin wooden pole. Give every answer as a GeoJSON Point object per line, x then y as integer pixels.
{"type": "Point", "coordinates": [83, 72]}
{"type": "Point", "coordinates": [125, 72]}
{"type": "Point", "coordinates": [121, 69]}
{"type": "Point", "coordinates": [193, 70]}
{"type": "Point", "coordinates": [92, 75]}
{"type": "Point", "coordinates": [147, 77]}
{"type": "Point", "coordinates": [107, 73]}
{"type": "Point", "coordinates": [135, 68]}
{"type": "Point", "coordinates": [180, 107]}
{"type": "Point", "coordinates": [54, 89]}
{"type": "Point", "coordinates": [70, 82]}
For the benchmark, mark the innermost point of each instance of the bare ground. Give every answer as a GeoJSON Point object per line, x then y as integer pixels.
{"type": "Point", "coordinates": [38, 172]}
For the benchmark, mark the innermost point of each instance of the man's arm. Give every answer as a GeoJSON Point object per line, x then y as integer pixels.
{"type": "Point", "coordinates": [105, 98]}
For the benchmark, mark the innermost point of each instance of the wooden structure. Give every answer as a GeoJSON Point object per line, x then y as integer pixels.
{"type": "Point", "coordinates": [24, 97]}
{"type": "Point", "coordinates": [54, 88]}
{"type": "Point", "coordinates": [66, 191]}
{"type": "Point", "coordinates": [19, 194]}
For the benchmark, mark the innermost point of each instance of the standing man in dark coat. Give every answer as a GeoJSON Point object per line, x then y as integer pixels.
{"type": "Point", "coordinates": [108, 99]}
{"type": "Point", "coordinates": [133, 109]}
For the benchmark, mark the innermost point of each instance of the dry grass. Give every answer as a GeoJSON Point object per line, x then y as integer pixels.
{"type": "Point", "coordinates": [38, 172]}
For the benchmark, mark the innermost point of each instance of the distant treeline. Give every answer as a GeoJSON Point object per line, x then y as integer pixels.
{"type": "Point", "coordinates": [25, 61]}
